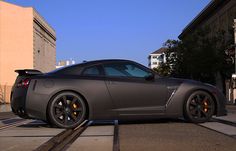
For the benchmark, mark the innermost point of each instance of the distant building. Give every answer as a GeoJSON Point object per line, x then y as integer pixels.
{"type": "Point", "coordinates": [63, 63]}
{"type": "Point", "coordinates": [157, 57]}
{"type": "Point", "coordinates": [26, 41]}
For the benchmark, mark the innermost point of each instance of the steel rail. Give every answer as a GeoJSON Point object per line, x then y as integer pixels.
{"type": "Point", "coordinates": [64, 139]}
{"type": "Point", "coordinates": [116, 144]}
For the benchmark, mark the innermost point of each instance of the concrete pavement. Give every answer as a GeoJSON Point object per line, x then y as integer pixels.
{"type": "Point", "coordinates": [26, 137]}
{"type": "Point", "coordinates": [173, 137]}
{"type": "Point", "coordinates": [99, 138]}
{"type": "Point", "coordinates": [231, 115]}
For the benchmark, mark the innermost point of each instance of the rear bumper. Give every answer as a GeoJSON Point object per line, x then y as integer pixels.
{"type": "Point", "coordinates": [18, 99]}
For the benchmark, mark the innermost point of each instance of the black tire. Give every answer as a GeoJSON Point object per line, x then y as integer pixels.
{"type": "Point", "coordinates": [67, 110]}
{"type": "Point", "coordinates": [199, 107]}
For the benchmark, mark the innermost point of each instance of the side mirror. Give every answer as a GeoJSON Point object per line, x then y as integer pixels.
{"type": "Point", "coordinates": [150, 77]}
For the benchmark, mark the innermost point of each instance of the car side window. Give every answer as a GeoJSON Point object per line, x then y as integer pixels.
{"type": "Point", "coordinates": [125, 70]}
{"type": "Point", "coordinates": [93, 71]}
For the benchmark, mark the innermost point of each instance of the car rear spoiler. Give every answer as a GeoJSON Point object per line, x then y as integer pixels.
{"type": "Point", "coordinates": [28, 72]}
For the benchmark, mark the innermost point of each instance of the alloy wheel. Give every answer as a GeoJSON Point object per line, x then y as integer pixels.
{"type": "Point", "coordinates": [67, 110]}
{"type": "Point", "coordinates": [199, 107]}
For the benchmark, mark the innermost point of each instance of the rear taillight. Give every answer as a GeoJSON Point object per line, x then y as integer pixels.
{"type": "Point", "coordinates": [24, 83]}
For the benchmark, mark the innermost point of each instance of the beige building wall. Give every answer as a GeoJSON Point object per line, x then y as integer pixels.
{"type": "Point", "coordinates": [19, 42]}
{"type": "Point", "coordinates": [16, 40]}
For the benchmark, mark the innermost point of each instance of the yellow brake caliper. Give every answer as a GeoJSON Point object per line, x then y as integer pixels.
{"type": "Point", "coordinates": [74, 106]}
{"type": "Point", "coordinates": [205, 106]}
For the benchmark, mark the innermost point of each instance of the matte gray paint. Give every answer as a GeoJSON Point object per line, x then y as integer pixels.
{"type": "Point", "coordinates": [116, 98]}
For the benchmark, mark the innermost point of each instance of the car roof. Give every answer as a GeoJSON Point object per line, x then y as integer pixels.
{"type": "Point", "coordinates": [89, 63]}
{"type": "Point", "coordinates": [102, 61]}
{"type": "Point", "coordinates": [105, 61]}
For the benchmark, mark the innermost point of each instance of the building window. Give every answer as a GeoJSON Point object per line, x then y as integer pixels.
{"type": "Point", "coordinates": [154, 63]}
{"type": "Point", "coordinates": [154, 57]}
{"type": "Point", "coordinates": [38, 51]}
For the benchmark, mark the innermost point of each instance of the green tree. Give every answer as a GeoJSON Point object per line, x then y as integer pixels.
{"type": "Point", "coordinates": [200, 56]}
{"type": "Point", "coordinates": [163, 69]}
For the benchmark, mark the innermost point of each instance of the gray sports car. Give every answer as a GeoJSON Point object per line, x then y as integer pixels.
{"type": "Point", "coordinates": [111, 89]}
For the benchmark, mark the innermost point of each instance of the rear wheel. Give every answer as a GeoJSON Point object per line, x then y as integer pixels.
{"type": "Point", "coordinates": [199, 107]}
{"type": "Point", "coordinates": [67, 110]}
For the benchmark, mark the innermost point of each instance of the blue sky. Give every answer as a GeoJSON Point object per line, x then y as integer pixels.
{"type": "Point", "coordinates": [101, 29]}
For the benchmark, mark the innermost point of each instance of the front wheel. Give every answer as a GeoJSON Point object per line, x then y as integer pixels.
{"type": "Point", "coordinates": [199, 107]}
{"type": "Point", "coordinates": [67, 110]}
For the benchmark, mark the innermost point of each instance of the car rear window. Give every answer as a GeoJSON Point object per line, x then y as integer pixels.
{"type": "Point", "coordinates": [91, 71]}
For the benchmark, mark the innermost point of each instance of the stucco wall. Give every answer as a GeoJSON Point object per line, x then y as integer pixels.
{"type": "Point", "coordinates": [16, 41]}
{"type": "Point", "coordinates": [20, 40]}
{"type": "Point", "coordinates": [16, 44]}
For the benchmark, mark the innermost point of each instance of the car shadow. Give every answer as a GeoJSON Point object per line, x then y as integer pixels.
{"type": "Point", "coordinates": [36, 124]}
{"type": "Point", "coordinates": [153, 121]}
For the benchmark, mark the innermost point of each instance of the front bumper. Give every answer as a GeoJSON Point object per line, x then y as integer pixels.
{"type": "Point", "coordinates": [221, 104]}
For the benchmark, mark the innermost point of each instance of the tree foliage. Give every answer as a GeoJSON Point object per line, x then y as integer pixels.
{"type": "Point", "coordinates": [163, 69]}
{"type": "Point", "coordinates": [199, 56]}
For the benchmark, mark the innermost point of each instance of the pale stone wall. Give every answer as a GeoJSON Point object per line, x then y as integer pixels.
{"type": "Point", "coordinates": [44, 51]}
{"type": "Point", "coordinates": [44, 45]}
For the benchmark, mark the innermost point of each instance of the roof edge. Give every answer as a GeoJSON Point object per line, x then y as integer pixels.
{"type": "Point", "coordinates": [207, 11]}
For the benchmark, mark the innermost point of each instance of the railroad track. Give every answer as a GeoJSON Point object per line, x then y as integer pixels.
{"type": "Point", "coordinates": [63, 140]}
